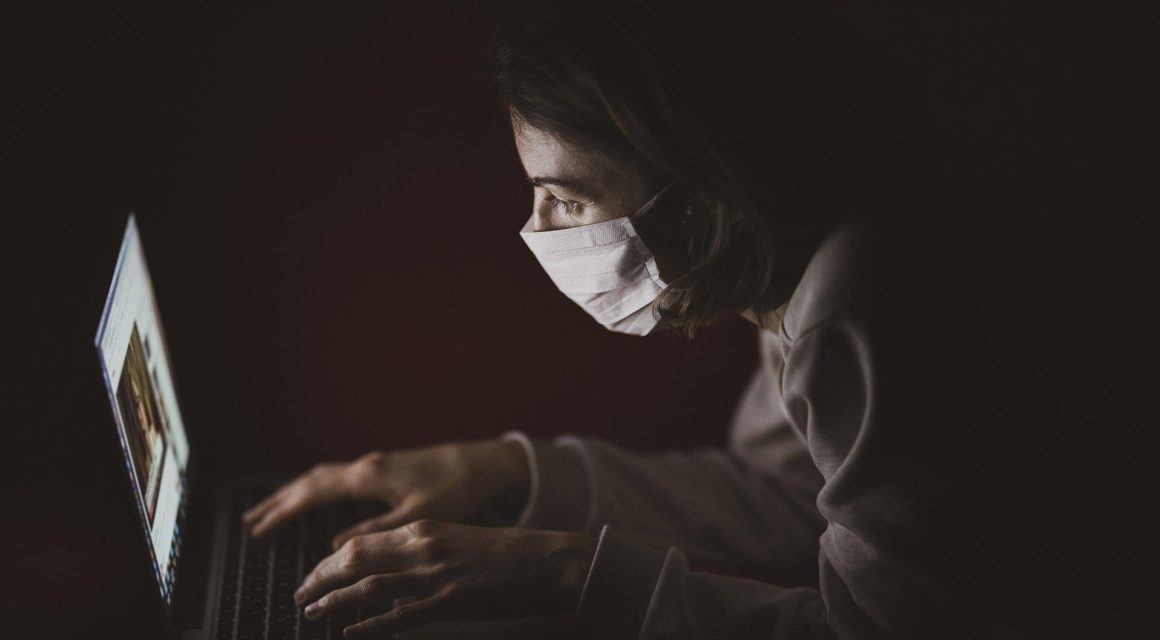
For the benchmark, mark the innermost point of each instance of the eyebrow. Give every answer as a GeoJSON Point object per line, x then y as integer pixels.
{"type": "Point", "coordinates": [578, 188]}
{"type": "Point", "coordinates": [539, 181]}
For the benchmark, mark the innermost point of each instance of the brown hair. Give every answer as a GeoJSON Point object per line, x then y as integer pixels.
{"type": "Point", "coordinates": [775, 119]}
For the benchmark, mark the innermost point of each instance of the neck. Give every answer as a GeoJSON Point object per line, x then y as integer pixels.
{"type": "Point", "coordinates": [770, 321]}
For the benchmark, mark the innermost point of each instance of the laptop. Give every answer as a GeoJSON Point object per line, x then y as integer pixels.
{"type": "Point", "coordinates": [214, 581]}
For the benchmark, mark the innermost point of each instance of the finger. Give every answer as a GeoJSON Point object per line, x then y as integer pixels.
{"type": "Point", "coordinates": [372, 525]}
{"type": "Point", "coordinates": [322, 484]}
{"type": "Point", "coordinates": [397, 517]}
{"type": "Point", "coordinates": [283, 511]}
{"type": "Point", "coordinates": [399, 619]}
{"type": "Point", "coordinates": [371, 591]}
{"type": "Point", "coordinates": [358, 558]}
{"type": "Point", "coordinates": [255, 512]}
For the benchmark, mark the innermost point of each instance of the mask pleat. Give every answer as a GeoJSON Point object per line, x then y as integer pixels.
{"type": "Point", "coordinates": [605, 268]}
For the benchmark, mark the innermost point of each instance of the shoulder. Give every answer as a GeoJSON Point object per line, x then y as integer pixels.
{"type": "Point", "coordinates": [837, 281]}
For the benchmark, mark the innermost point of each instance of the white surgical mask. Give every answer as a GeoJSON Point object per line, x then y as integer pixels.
{"type": "Point", "coordinates": [605, 268]}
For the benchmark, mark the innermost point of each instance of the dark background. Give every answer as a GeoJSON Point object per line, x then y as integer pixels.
{"type": "Point", "coordinates": [329, 202]}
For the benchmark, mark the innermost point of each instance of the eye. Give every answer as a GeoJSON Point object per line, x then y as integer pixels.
{"type": "Point", "coordinates": [567, 206]}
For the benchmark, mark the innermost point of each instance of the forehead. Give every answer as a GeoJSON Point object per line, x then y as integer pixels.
{"type": "Point", "coordinates": [544, 154]}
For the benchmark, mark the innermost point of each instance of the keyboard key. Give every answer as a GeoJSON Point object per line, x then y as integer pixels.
{"type": "Point", "coordinates": [261, 576]}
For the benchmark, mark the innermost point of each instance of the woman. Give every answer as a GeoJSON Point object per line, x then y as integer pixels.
{"type": "Point", "coordinates": [692, 164]}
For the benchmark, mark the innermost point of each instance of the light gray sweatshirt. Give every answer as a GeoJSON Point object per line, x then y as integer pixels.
{"type": "Point", "coordinates": [809, 489]}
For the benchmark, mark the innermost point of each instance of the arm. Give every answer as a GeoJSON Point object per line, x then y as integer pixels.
{"type": "Point", "coordinates": [635, 592]}
{"type": "Point", "coordinates": [750, 510]}
{"type": "Point", "coordinates": [889, 565]}
{"type": "Point", "coordinates": [711, 504]}
{"type": "Point", "coordinates": [880, 575]}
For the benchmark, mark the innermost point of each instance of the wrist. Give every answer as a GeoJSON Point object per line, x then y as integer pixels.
{"type": "Point", "coordinates": [513, 477]}
{"type": "Point", "coordinates": [513, 465]}
{"type": "Point", "coordinates": [575, 551]}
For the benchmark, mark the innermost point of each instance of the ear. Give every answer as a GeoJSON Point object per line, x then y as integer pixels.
{"type": "Point", "coordinates": [665, 235]}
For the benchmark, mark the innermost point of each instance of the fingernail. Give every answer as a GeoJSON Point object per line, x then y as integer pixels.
{"type": "Point", "coordinates": [311, 611]}
{"type": "Point", "coordinates": [299, 596]}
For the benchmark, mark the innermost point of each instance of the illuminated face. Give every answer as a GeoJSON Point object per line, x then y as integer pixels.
{"type": "Point", "coordinates": [574, 187]}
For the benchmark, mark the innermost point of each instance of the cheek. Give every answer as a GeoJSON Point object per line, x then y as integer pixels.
{"type": "Point", "coordinates": [597, 214]}
{"type": "Point", "coordinates": [546, 217]}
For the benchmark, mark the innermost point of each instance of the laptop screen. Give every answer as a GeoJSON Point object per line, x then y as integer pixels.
{"type": "Point", "coordinates": [135, 361]}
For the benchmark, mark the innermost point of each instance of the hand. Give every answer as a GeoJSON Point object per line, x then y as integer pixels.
{"type": "Point", "coordinates": [452, 482]}
{"type": "Point", "coordinates": [456, 572]}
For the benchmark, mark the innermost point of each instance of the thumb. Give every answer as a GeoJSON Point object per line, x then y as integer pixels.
{"type": "Point", "coordinates": [397, 517]}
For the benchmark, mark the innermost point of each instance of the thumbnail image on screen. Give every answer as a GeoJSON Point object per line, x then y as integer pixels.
{"type": "Point", "coordinates": [145, 421]}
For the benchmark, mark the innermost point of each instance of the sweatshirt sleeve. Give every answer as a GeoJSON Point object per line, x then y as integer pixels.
{"type": "Point", "coordinates": [748, 510]}
{"type": "Point", "coordinates": [636, 592]}
{"type": "Point", "coordinates": [711, 504]}
{"type": "Point", "coordinates": [879, 562]}
{"type": "Point", "coordinates": [896, 556]}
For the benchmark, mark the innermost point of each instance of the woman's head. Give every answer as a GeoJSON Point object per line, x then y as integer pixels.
{"type": "Point", "coordinates": [772, 120]}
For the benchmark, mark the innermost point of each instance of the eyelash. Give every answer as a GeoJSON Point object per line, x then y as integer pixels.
{"type": "Point", "coordinates": [568, 205]}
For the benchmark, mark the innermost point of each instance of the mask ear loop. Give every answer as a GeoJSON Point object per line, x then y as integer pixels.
{"type": "Point", "coordinates": [646, 207]}
{"type": "Point", "coordinates": [651, 264]}
{"type": "Point", "coordinates": [649, 259]}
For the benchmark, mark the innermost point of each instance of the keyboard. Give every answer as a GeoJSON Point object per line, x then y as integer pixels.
{"type": "Point", "coordinates": [261, 576]}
